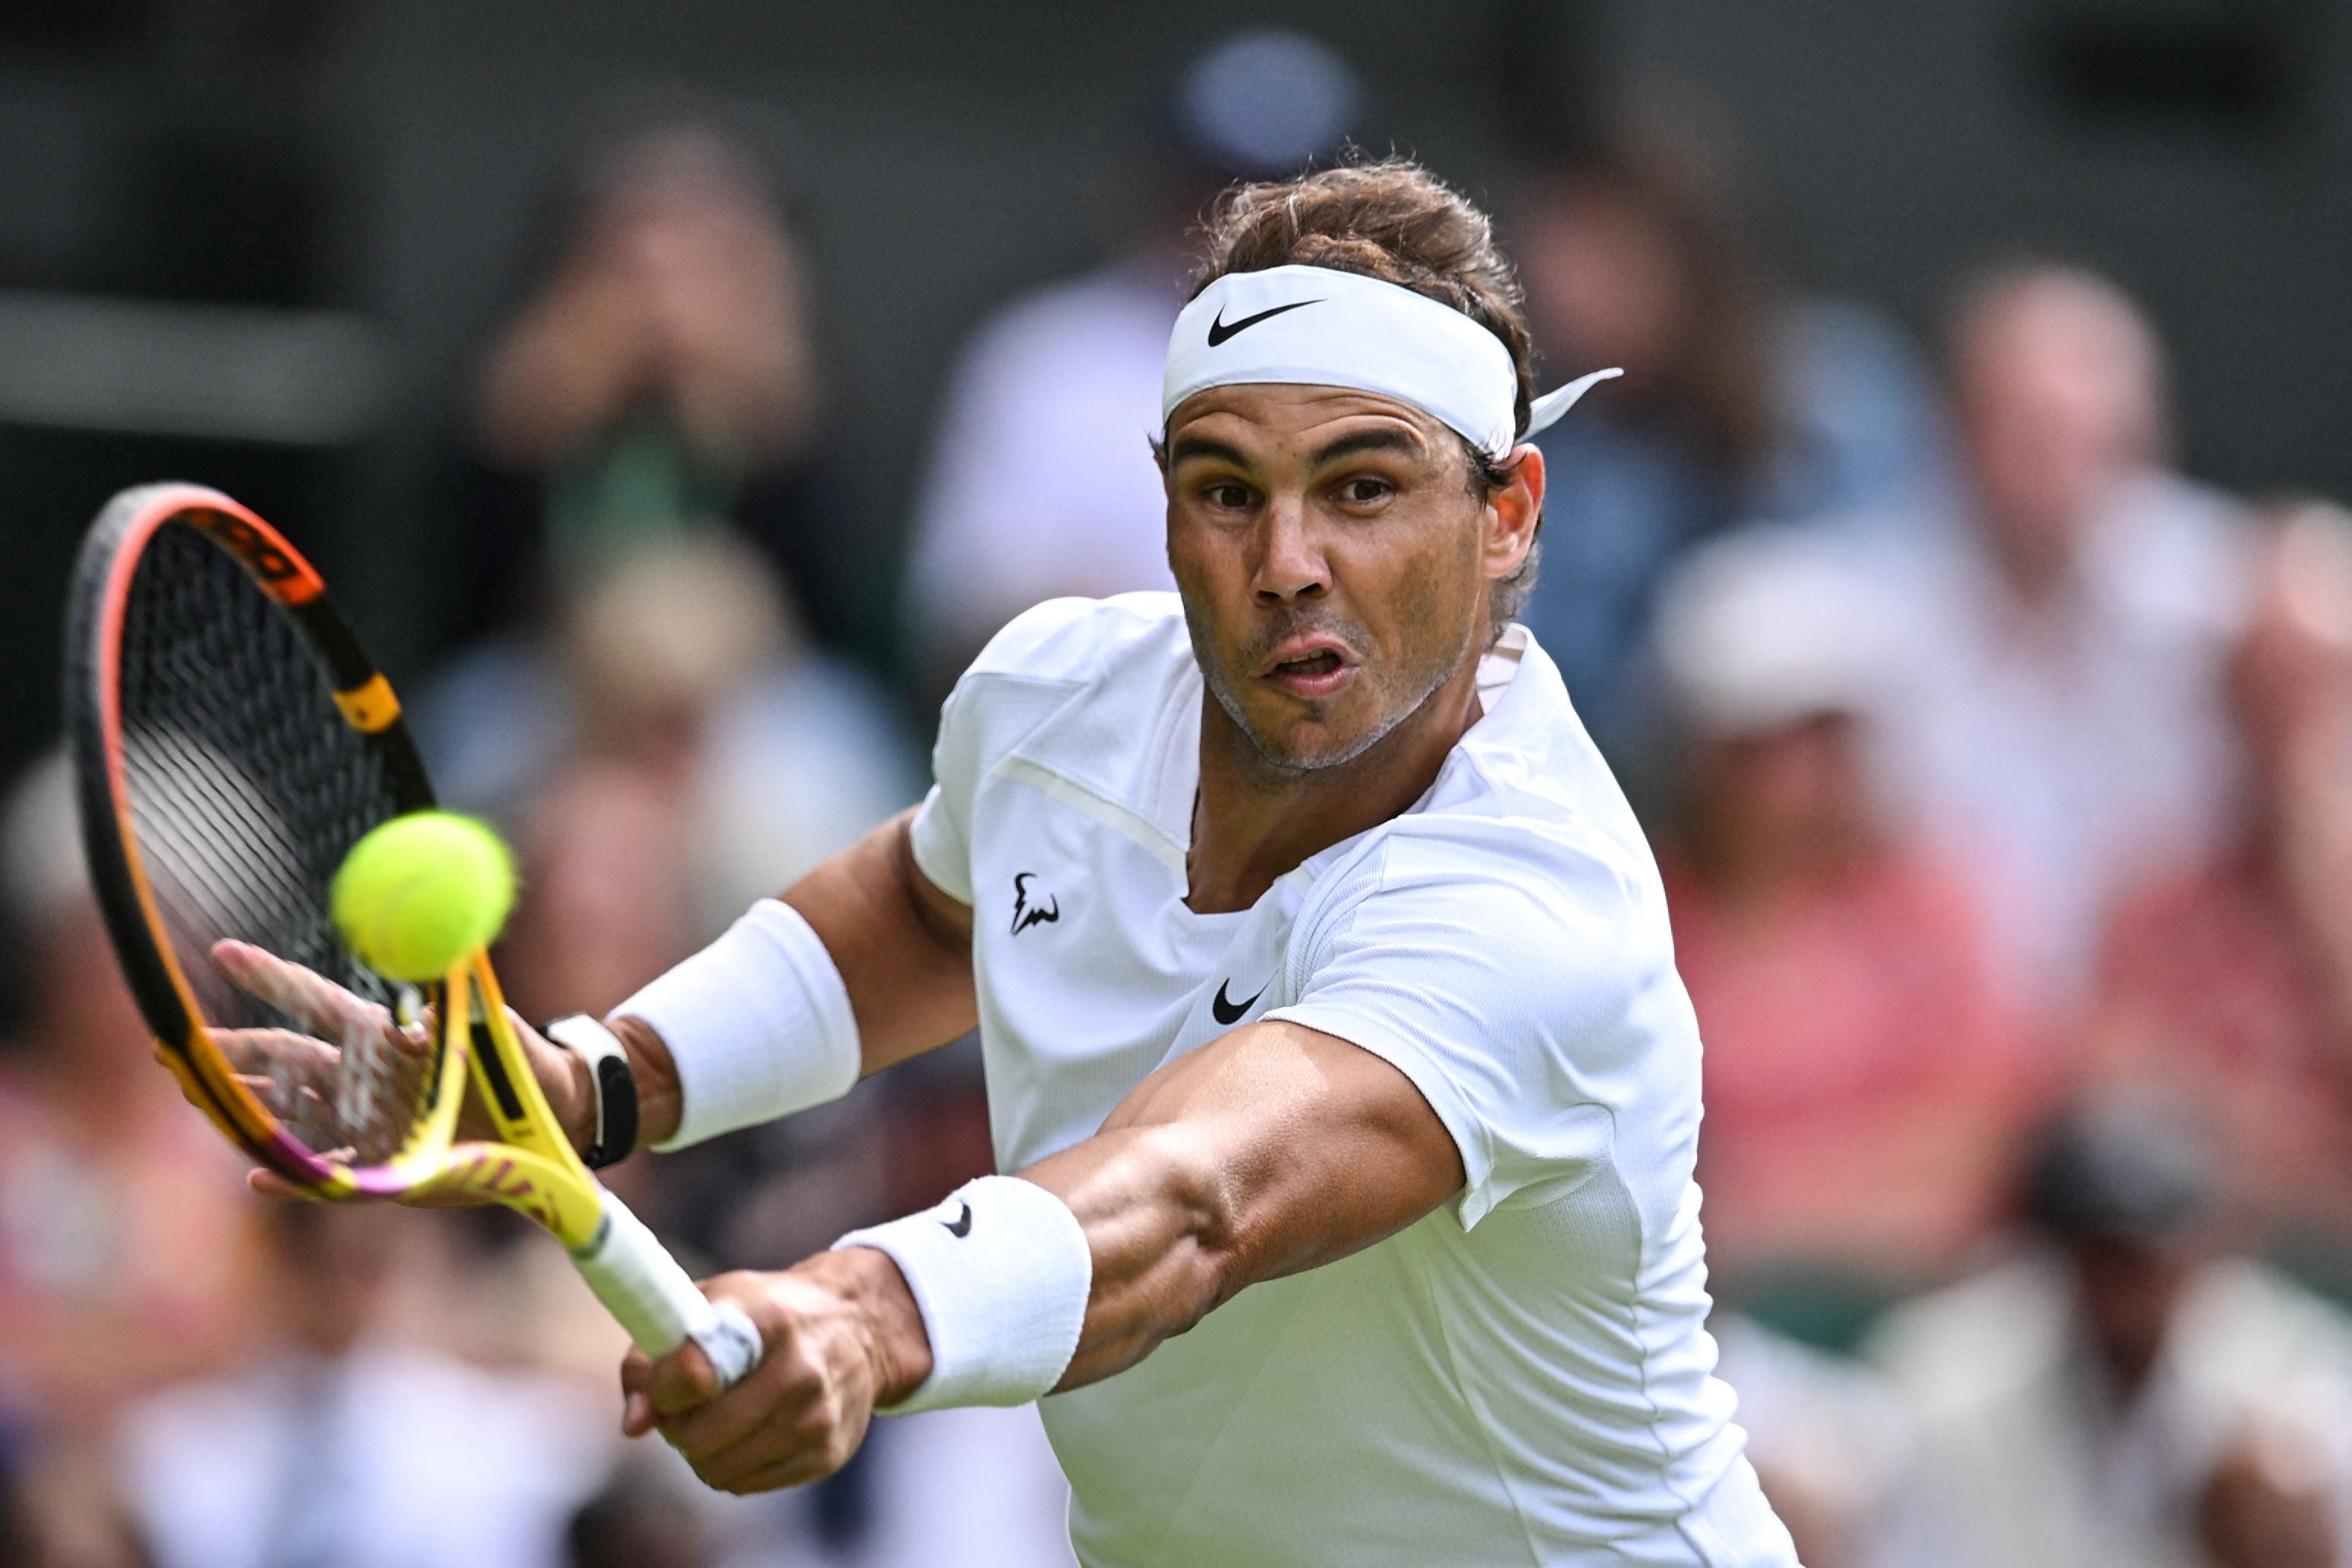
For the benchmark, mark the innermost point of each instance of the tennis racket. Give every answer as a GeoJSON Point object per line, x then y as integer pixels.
{"type": "Point", "coordinates": [231, 741]}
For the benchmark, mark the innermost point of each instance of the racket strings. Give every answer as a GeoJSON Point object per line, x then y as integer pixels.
{"type": "Point", "coordinates": [246, 788]}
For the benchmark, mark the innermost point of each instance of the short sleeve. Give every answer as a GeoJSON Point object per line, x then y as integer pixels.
{"type": "Point", "coordinates": [940, 835]}
{"type": "Point", "coordinates": [1028, 671]}
{"type": "Point", "coordinates": [1524, 991]}
{"type": "Point", "coordinates": [942, 852]}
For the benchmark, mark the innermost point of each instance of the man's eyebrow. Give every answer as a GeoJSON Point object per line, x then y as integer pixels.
{"type": "Point", "coordinates": [1186, 446]}
{"type": "Point", "coordinates": [1380, 439]}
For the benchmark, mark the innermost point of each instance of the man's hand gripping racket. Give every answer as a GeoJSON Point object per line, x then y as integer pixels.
{"type": "Point", "coordinates": [232, 744]}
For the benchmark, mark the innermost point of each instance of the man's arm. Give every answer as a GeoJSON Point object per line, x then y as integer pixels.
{"type": "Point", "coordinates": [904, 951]}
{"type": "Point", "coordinates": [1269, 1151]}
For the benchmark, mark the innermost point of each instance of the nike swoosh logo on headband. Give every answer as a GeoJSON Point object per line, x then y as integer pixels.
{"type": "Point", "coordinates": [1219, 331]}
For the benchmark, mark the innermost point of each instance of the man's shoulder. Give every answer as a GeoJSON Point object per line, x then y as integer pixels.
{"type": "Point", "coordinates": [1079, 642]}
{"type": "Point", "coordinates": [1978, 1343]}
{"type": "Point", "coordinates": [1081, 688]}
{"type": "Point", "coordinates": [1534, 881]}
{"type": "Point", "coordinates": [1525, 842]}
{"type": "Point", "coordinates": [1526, 798]}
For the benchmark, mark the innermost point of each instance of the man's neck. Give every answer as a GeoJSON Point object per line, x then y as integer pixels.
{"type": "Point", "coordinates": [1252, 822]}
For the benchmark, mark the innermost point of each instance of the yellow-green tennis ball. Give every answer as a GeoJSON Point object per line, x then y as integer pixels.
{"type": "Point", "coordinates": [421, 892]}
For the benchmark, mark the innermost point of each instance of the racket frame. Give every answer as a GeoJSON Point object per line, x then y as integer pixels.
{"type": "Point", "coordinates": [111, 844]}
{"type": "Point", "coordinates": [533, 1168]}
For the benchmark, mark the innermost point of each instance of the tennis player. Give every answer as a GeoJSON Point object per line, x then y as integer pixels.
{"type": "Point", "coordinates": [1332, 1032]}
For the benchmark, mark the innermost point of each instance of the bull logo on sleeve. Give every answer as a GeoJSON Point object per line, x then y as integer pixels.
{"type": "Point", "coordinates": [1027, 913]}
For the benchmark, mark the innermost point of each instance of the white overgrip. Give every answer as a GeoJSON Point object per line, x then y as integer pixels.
{"type": "Point", "coordinates": [651, 1297]}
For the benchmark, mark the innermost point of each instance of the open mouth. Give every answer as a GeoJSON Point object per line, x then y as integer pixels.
{"type": "Point", "coordinates": [1322, 661]}
{"type": "Point", "coordinates": [1312, 669]}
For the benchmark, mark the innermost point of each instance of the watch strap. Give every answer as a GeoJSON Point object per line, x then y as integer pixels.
{"type": "Point", "coordinates": [615, 1086]}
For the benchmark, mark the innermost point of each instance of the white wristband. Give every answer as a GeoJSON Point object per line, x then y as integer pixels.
{"type": "Point", "coordinates": [758, 1023]}
{"type": "Point", "coordinates": [1000, 1270]}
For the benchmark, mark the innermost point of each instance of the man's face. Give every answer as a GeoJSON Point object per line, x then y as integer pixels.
{"type": "Point", "coordinates": [2130, 1294]}
{"type": "Point", "coordinates": [2058, 404]}
{"type": "Point", "coordinates": [1334, 557]}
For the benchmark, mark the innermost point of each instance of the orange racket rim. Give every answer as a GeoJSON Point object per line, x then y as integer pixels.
{"type": "Point", "coordinates": [126, 893]}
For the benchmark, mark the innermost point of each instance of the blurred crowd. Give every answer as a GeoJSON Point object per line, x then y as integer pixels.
{"type": "Point", "coordinates": [2002, 776]}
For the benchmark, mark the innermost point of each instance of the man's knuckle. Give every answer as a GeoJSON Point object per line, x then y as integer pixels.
{"type": "Point", "coordinates": [800, 1379]}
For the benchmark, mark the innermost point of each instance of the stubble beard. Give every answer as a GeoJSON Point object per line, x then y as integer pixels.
{"type": "Point", "coordinates": [1292, 766]}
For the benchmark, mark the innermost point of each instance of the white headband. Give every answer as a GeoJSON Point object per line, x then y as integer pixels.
{"type": "Point", "coordinates": [1318, 327]}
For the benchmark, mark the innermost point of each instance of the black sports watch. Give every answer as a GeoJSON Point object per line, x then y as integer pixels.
{"type": "Point", "coordinates": [616, 1131]}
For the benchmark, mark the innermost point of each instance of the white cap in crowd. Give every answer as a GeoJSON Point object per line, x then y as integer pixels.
{"type": "Point", "coordinates": [1767, 627]}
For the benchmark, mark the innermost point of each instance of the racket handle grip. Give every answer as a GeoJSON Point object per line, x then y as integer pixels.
{"type": "Point", "coordinates": [649, 1295]}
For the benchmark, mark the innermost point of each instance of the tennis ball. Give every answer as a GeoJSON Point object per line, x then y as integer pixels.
{"type": "Point", "coordinates": [421, 892]}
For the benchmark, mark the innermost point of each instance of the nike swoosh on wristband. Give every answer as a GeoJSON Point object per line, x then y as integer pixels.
{"type": "Point", "coordinates": [959, 1226]}
{"type": "Point", "coordinates": [1228, 1011]}
{"type": "Point", "coordinates": [1219, 331]}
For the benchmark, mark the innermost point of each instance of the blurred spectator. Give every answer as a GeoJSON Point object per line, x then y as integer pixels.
{"type": "Point", "coordinates": [354, 1443]}
{"type": "Point", "coordinates": [1738, 402]}
{"type": "Point", "coordinates": [2062, 714]}
{"type": "Point", "coordinates": [63, 1510]}
{"type": "Point", "coordinates": [1828, 1438]}
{"type": "Point", "coordinates": [126, 1234]}
{"type": "Point", "coordinates": [681, 661]}
{"type": "Point", "coordinates": [643, 531]}
{"type": "Point", "coordinates": [658, 378]}
{"type": "Point", "coordinates": [1041, 483]}
{"type": "Point", "coordinates": [644, 1517]}
{"type": "Point", "coordinates": [2130, 1394]}
{"type": "Point", "coordinates": [604, 907]}
{"type": "Point", "coordinates": [621, 877]}
{"type": "Point", "coordinates": [16, 1541]}
{"type": "Point", "coordinates": [2232, 980]}
{"type": "Point", "coordinates": [978, 1488]}
{"type": "Point", "coordinates": [1863, 1076]}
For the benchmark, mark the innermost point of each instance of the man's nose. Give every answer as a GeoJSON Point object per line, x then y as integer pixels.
{"type": "Point", "coordinates": [1290, 563]}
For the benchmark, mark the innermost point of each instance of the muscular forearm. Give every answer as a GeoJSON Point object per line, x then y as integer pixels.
{"type": "Point", "coordinates": [1164, 1234]}
{"type": "Point", "coordinates": [1271, 1151]}
{"type": "Point", "coordinates": [1167, 1241]}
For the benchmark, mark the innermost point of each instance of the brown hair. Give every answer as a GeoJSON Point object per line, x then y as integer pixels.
{"type": "Point", "coordinates": [1393, 220]}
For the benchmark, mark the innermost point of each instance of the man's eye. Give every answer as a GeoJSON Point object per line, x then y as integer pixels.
{"type": "Point", "coordinates": [1364, 490]}
{"type": "Point", "coordinates": [1233, 497]}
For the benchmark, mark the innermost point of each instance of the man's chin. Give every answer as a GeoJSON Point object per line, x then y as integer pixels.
{"type": "Point", "coordinates": [1310, 745]}
{"type": "Point", "coordinates": [1297, 735]}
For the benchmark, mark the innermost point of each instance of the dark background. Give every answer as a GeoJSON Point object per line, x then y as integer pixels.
{"type": "Point", "coordinates": [387, 162]}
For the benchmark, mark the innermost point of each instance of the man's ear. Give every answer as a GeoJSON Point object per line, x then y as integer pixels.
{"type": "Point", "coordinates": [1513, 514]}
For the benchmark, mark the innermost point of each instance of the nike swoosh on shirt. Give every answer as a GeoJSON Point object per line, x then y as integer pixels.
{"type": "Point", "coordinates": [1229, 1012]}
{"type": "Point", "coordinates": [1219, 331]}
{"type": "Point", "coordinates": [959, 1226]}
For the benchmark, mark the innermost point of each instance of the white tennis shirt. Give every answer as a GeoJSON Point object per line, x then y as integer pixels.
{"type": "Point", "coordinates": [1522, 1377]}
